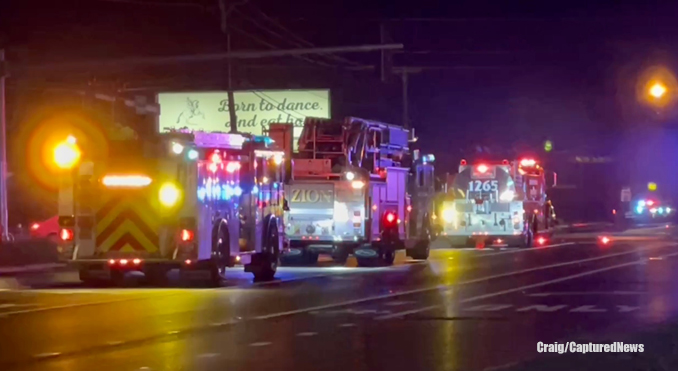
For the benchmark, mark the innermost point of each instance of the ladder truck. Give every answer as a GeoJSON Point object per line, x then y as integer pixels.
{"type": "Point", "coordinates": [356, 188]}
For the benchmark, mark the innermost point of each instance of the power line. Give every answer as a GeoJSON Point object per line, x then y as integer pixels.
{"type": "Point", "coordinates": [298, 38]}
{"type": "Point", "coordinates": [273, 47]}
{"type": "Point", "coordinates": [271, 32]}
{"type": "Point", "coordinates": [252, 54]}
{"type": "Point", "coordinates": [155, 3]}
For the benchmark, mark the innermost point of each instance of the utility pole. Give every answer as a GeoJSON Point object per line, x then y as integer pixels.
{"type": "Point", "coordinates": [382, 39]}
{"type": "Point", "coordinates": [405, 75]}
{"type": "Point", "coordinates": [406, 113]}
{"type": "Point", "coordinates": [4, 214]}
{"type": "Point", "coordinates": [225, 12]}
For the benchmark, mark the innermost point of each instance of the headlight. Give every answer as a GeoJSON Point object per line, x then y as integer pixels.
{"type": "Point", "coordinates": [449, 215]}
{"type": "Point", "coordinates": [169, 194]}
{"type": "Point", "coordinates": [507, 196]}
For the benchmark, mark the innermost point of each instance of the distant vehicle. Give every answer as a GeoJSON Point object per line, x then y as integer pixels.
{"type": "Point", "coordinates": [48, 229]}
{"type": "Point", "coordinates": [499, 203]}
{"type": "Point", "coordinates": [652, 209]}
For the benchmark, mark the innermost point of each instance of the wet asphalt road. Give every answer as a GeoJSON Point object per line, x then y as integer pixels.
{"type": "Point", "coordinates": [462, 310]}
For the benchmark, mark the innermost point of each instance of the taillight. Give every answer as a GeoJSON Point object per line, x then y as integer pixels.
{"type": "Point", "coordinates": [66, 234]}
{"type": "Point", "coordinates": [604, 240]}
{"type": "Point", "coordinates": [541, 241]}
{"type": "Point", "coordinates": [186, 235]}
{"type": "Point", "coordinates": [390, 218]}
{"type": "Point", "coordinates": [35, 226]}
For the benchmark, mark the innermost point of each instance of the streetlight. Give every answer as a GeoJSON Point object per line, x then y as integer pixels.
{"type": "Point", "coordinates": [67, 153]}
{"type": "Point", "coordinates": [657, 90]}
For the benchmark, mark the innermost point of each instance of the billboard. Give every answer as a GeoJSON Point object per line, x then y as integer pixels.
{"type": "Point", "coordinates": [255, 109]}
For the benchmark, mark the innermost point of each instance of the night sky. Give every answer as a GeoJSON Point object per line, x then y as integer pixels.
{"type": "Point", "coordinates": [495, 73]}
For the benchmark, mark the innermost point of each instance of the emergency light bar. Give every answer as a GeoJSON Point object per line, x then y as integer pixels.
{"type": "Point", "coordinates": [218, 140]}
{"type": "Point", "coordinates": [126, 181]}
{"type": "Point", "coordinates": [528, 162]}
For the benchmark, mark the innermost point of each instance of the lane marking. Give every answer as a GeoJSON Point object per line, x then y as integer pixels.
{"type": "Point", "coordinates": [261, 344]}
{"type": "Point", "coordinates": [517, 249]}
{"type": "Point", "coordinates": [488, 250]}
{"type": "Point", "coordinates": [47, 355]}
{"type": "Point", "coordinates": [521, 288]}
{"type": "Point", "coordinates": [208, 355]}
{"type": "Point", "coordinates": [586, 293]}
{"type": "Point", "coordinates": [439, 287]}
{"type": "Point", "coordinates": [307, 334]}
{"type": "Point", "coordinates": [347, 325]}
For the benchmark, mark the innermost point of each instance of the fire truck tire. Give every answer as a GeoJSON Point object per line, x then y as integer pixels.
{"type": "Point", "coordinates": [156, 276]}
{"type": "Point", "coordinates": [310, 257]}
{"type": "Point", "coordinates": [421, 250]}
{"type": "Point", "coordinates": [366, 262]}
{"type": "Point", "coordinates": [388, 256]}
{"type": "Point", "coordinates": [117, 278]}
{"type": "Point", "coordinates": [270, 256]}
{"type": "Point", "coordinates": [87, 279]}
{"type": "Point", "coordinates": [221, 249]}
{"type": "Point", "coordinates": [340, 254]}
{"type": "Point", "coordinates": [527, 240]}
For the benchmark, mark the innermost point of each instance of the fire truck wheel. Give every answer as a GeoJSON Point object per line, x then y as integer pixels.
{"type": "Point", "coordinates": [421, 250]}
{"type": "Point", "coordinates": [310, 257]}
{"type": "Point", "coordinates": [340, 254]}
{"type": "Point", "coordinates": [156, 276]}
{"type": "Point", "coordinates": [221, 248]}
{"type": "Point", "coordinates": [270, 256]}
{"type": "Point", "coordinates": [117, 278]}
{"type": "Point", "coordinates": [388, 256]}
{"type": "Point", "coordinates": [87, 279]}
{"type": "Point", "coordinates": [527, 240]}
{"type": "Point", "coordinates": [366, 262]}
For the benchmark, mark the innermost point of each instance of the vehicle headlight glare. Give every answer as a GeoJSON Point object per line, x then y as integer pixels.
{"type": "Point", "coordinates": [169, 194]}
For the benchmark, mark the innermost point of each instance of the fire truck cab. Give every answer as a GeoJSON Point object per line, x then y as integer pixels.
{"type": "Point", "coordinates": [497, 203]}
{"type": "Point", "coordinates": [196, 201]}
{"type": "Point", "coordinates": [349, 193]}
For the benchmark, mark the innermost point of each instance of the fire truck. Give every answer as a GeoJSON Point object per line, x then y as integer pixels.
{"type": "Point", "coordinates": [195, 201]}
{"type": "Point", "coordinates": [350, 192]}
{"type": "Point", "coordinates": [497, 202]}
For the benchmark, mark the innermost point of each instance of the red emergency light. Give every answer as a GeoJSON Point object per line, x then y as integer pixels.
{"type": "Point", "coordinates": [505, 162]}
{"type": "Point", "coordinates": [186, 235]}
{"type": "Point", "coordinates": [66, 234]}
{"type": "Point", "coordinates": [462, 162]}
{"type": "Point", "coordinates": [390, 218]}
{"type": "Point", "coordinates": [528, 162]}
{"type": "Point", "coordinates": [482, 168]}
